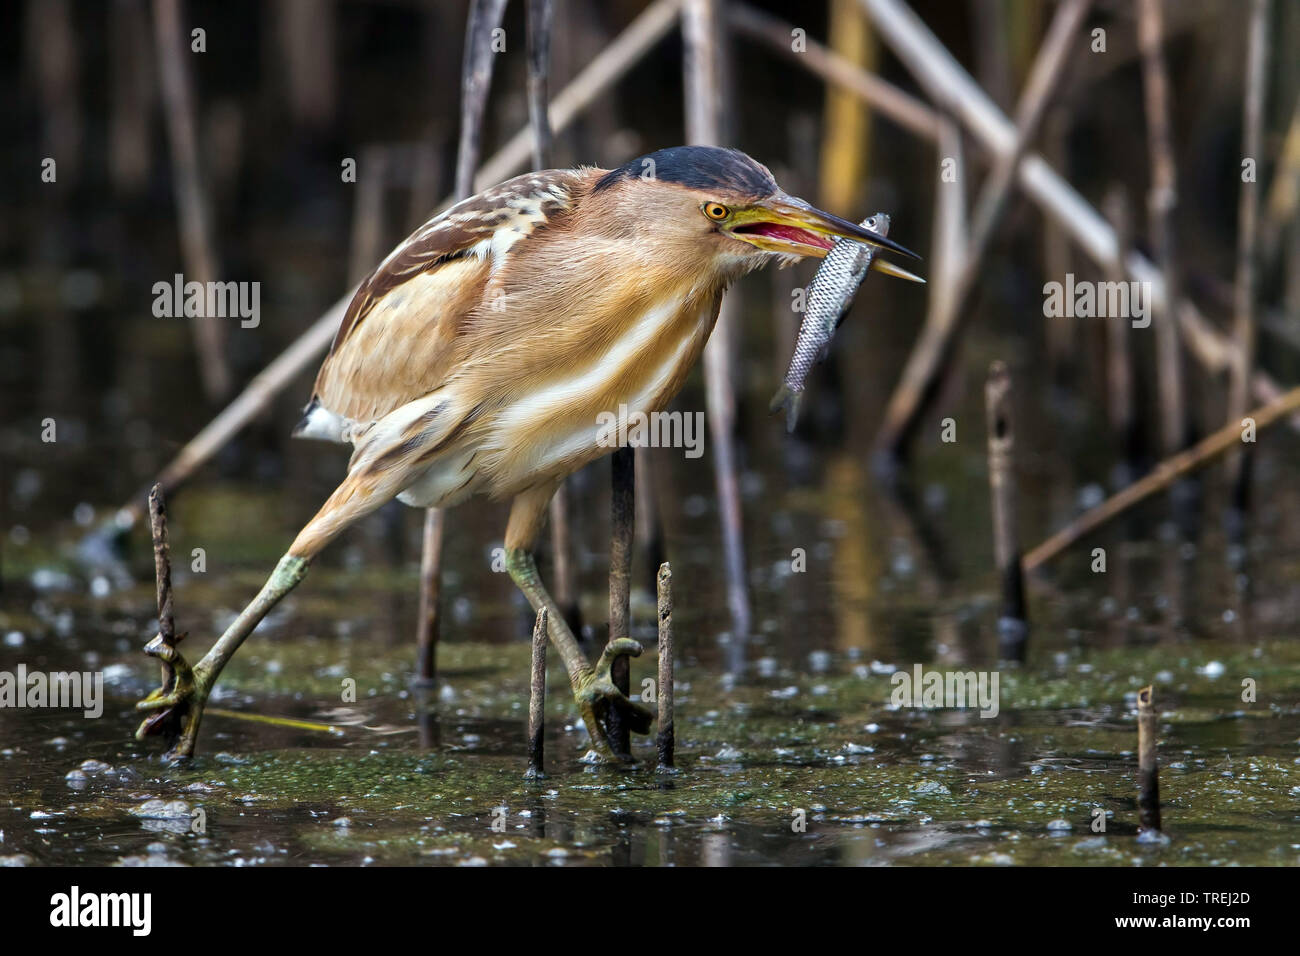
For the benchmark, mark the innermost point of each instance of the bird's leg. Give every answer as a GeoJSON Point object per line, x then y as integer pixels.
{"type": "Point", "coordinates": [179, 708]}
{"type": "Point", "coordinates": [593, 688]}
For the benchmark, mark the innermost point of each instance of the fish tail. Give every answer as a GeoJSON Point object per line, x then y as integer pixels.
{"type": "Point", "coordinates": [792, 412]}
{"type": "Point", "coordinates": [788, 399]}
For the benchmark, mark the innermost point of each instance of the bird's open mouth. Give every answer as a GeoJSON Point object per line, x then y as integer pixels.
{"type": "Point", "coordinates": [792, 234]}
{"type": "Point", "coordinates": [784, 224]}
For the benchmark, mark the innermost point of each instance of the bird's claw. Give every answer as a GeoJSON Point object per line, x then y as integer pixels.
{"type": "Point", "coordinates": [178, 704]}
{"type": "Point", "coordinates": [597, 693]}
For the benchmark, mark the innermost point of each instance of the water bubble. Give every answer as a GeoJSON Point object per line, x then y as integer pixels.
{"type": "Point", "coordinates": [932, 788]}
{"type": "Point", "coordinates": [162, 810]}
{"type": "Point", "coordinates": [1091, 495]}
{"type": "Point", "coordinates": [695, 506]}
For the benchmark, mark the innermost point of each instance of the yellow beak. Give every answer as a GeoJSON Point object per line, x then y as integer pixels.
{"type": "Point", "coordinates": [788, 225]}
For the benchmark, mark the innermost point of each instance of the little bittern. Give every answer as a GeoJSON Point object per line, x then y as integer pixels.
{"type": "Point", "coordinates": [478, 356]}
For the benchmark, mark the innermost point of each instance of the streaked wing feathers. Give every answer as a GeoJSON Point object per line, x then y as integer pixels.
{"type": "Point", "coordinates": [397, 340]}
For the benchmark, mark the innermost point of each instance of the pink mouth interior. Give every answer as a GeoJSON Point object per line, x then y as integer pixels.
{"type": "Point", "coordinates": [788, 233]}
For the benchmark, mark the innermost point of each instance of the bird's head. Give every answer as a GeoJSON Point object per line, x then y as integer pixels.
{"type": "Point", "coordinates": [723, 204]}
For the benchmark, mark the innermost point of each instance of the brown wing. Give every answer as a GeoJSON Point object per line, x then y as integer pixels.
{"type": "Point", "coordinates": [397, 340]}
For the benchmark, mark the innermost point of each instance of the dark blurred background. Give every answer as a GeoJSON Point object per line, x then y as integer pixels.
{"type": "Point", "coordinates": [286, 90]}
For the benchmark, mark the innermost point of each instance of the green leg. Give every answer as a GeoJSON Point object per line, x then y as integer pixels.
{"type": "Point", "coordinates": [593, 688]}
{"type": "Point", "coordinates": [179, 708]}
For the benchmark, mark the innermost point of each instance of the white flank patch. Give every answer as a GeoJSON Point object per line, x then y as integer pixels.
{"type": "Point", "coordinates": [544, 404]}
{"type": "Point", "coordinates": [584, 438]}
{"type": "Point", "coordinates": [442, 485]}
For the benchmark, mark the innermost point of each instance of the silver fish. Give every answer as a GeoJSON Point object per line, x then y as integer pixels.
{"type": "Point", "coordinates": [829, 296]}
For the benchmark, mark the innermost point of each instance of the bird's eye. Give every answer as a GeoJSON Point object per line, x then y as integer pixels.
{"type": "Point", "coordinates": [716, 211]}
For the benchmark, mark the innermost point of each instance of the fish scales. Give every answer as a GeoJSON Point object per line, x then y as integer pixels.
{"type": "Point", "coordinates": [830, 294]}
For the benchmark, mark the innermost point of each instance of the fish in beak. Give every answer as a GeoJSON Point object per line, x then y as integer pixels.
{"type": "Point", "coordinates": [784, 224]}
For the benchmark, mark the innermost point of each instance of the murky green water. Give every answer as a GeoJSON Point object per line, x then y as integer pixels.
{"type": "Point", "coordinates": [790, 750]}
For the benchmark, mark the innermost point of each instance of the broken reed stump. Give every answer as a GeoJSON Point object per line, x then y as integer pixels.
{"type": "Point", "coordinates": [1013, 630]}
{"type": "Point", "coordinates": [537, 701]}
{"type": "Point", "coordinates": [623, 529]}
{"type": "Point", "coordinates": [162, 568]}
{"type": "Point", "coordinates": [666, 741]}
{"type": "Point", "coordinates": [1148, 771]}
{"type": "Point", "coordinates": [163, 647]}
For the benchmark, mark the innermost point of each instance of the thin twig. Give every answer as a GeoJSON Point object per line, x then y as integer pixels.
{"type": "Point", "coordinates": [1245, 293]}
{"type": "Point", "coordinates": [1120, 405]}
{"type": "Point", "coordinates": [198, 247]}
{"type": "Point", "coordinates": [1163, 475]}
{"type": "Point", "coordinates": [1013, 631]}
{"type": "Point", "coordinates": [476, 80]}
{"type": "Point", "coordinates": [1284, 192]}
{"type": "Point", "coordinates": [538, 27]}
{"type": "Point", "coordinates": [1161, 201]}
{"type": "Point", "coordinates": [368, 212]}
{"type": "Point", "coordinates": [702, 36]}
